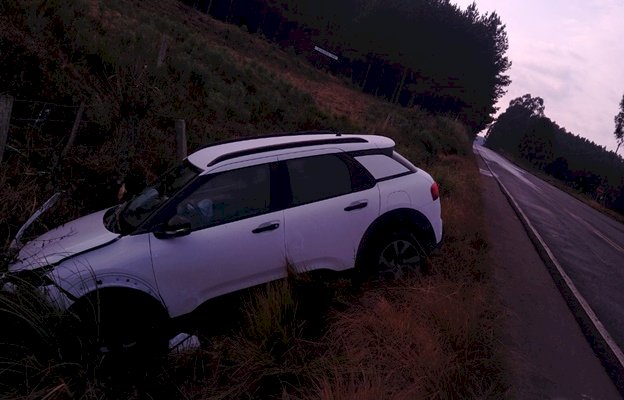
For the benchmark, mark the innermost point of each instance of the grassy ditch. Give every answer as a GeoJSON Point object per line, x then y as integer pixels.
{"type": "Point", "coordinates": [430, 336]}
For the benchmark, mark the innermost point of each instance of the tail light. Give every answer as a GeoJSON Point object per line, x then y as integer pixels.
{"type": "Point", "coordinates": [435, 191]}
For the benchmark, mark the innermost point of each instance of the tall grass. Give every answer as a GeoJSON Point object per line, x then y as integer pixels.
{"type": "Point", "coordinates": [29, 344]}
{"type": "Point", "coordinates": [86, 51]}
{"type": "Point", "coordinates": [45, 353]}
{"type": "Point", "coordinates": [431, 336]}
{"type": "Point", "coordinates": [272, 351]}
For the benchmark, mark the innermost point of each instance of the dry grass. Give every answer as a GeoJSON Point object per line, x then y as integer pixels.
{"type": "Point", "coordinates": [431, 337]}
{"type": "Point", "coordinates": [333, 96]}
{"type": "Point", "coordinates": [271, 351]}
{"type": "Point", "coordinates": [428, 337]}
{"type": "Point", "coordinates": [425, 337]}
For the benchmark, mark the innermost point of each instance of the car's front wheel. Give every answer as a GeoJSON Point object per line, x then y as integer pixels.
{"type": "Point", "coordinates": [118, 333]}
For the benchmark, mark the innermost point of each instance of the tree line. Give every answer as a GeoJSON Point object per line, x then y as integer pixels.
{"type": "Point", "coordinates": [523, 131]}
{"type": "Point", "coordinates": [426, 53]}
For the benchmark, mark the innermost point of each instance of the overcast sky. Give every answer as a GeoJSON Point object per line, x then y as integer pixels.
{"type": "Point", "coordinates": [571, 54]}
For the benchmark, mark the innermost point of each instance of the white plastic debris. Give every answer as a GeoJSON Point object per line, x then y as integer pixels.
{"type": "Point", "coordinates": [16, 244]}
{"type": "Point", "coordinates": [184, 342]}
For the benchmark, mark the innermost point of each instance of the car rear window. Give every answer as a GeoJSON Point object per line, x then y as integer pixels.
{"type": "Point", "coordinates": [317, 178]}
{"type": "Point", "coordinates": [381, 166]}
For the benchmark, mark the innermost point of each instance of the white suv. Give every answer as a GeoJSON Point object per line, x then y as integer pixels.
{"type": "Point", "coordinates": [234, 215]}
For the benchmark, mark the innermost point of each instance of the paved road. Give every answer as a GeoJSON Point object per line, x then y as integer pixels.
{"type": "Point", "coordinates": [587, 244]}
{"type": "Point", "coordinates": [547, 355]}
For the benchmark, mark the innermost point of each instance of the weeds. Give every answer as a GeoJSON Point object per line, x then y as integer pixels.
{"type": "Point", "coordinates": [425, 337]}
{"type": "Point", "coordinates": [432, 336]}
{"type": "Point", "coordinates": [429, 337]}
{"type": "Point", "coordinates": [271, 351]}
{"type": "Point", "coordinates": [28, 341]}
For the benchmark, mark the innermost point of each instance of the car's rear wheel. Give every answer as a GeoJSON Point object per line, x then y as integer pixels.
{"type": "Point", "coordinates": [395, 256]}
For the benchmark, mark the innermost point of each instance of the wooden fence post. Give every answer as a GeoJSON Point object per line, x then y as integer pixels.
{"type": "Point", "coordinates": [74, 131]}
{"type": "Point", "coordinates": [70, 142]}
{"type": "Point", "coordinates": [181, 151]}
{"type": "Point", "coordinates": [162, 52]}
{"type": "Point", "coordinates": [397, 92]}
{"type": "Point", "coordinates": [127, 145]}
{"type": "Point", "coordinates": [6, 105]}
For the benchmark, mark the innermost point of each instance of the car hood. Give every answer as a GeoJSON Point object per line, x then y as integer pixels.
{"type": "Point", "coordinates": [67, 240]}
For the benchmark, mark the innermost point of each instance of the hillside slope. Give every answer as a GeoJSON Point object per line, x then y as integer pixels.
{"type": "Point", "coordinates": [138, 67]}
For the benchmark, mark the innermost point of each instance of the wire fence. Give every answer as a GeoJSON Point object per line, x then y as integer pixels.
{"type": "Point", "coordinates": [53, 121]}
{"type": "Point", "coordinates": [57, 126]}
{"type": "Point", "coordinates": [41, 112]}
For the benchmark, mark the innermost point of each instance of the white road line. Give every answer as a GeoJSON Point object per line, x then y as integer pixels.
{"type": "Point", "coordinates": [602, 331]}
{"type": "Point", "coordinates": [596, 232]}
{"type": "Point", "coordinates": [485, 172]}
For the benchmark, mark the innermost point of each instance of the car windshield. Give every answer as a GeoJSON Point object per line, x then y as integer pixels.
{"type": "Point", "coordinates": [128, 216]}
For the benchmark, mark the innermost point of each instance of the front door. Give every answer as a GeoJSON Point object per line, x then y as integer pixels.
{"type": "Point", "coordinates": [236, 239]}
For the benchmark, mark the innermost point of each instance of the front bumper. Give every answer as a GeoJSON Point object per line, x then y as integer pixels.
{"type": "Point", "coordinates": [49, 295]}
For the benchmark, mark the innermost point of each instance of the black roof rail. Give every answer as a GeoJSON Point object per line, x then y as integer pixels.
{"type": "Point", "coordinates": [282, 146]}
{"type": "Point", "coordinates": [271, 135]}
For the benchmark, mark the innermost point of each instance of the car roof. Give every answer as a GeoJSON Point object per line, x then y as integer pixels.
{"type": "Point", "coordinates": [219, 152]}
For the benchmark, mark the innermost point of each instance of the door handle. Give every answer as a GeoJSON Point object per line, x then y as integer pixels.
{"type": "Point", "coordinates": [356, 205]}
{"type": "Point", "coordinates": [269, 226]}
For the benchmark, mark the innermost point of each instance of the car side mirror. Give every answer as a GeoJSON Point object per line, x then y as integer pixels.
{"type": "Point", "coordinates": [175, 227]}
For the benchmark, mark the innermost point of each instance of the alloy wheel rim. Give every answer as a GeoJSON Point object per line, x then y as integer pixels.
{"type": "Point", "coordinates": [397, 259]}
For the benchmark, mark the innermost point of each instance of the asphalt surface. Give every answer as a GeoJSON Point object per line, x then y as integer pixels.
{"type": "Point", "coordinates": [547, 355]}
{"type": "Point", "coordinates": [587, 245]}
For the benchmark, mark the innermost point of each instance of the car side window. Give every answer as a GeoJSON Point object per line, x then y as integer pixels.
{"type": "Point", "coordinates": [228, 196]}
{"type": "Point", "coordinates": [317, 178]}
{"type": "Point", "coordinates": [361, 179]}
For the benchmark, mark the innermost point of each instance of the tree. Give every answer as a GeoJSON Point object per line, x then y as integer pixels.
{"type": "Point", "coordinates": [619, 126]}
{"type": "Point", "coordinates": [425, 53]}
{"type": "Point", "coordinates": [514, 124]}
{"type": "Point", "coordinates": [533, 104]}
{"type": "Point", "coordinates": [537, 144]}
{"type": "Point", "coordinates": [523, 131]}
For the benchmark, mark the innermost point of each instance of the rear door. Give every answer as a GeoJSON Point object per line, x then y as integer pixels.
{"type": "Point", "coordinates": [333, 200]}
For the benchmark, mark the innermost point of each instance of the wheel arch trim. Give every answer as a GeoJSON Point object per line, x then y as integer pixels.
{"type": "Point", "coordinates": [128, 286]}
{"type": "Point", "coordinates": [408, 217]}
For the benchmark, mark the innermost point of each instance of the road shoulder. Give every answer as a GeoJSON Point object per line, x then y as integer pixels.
{"type": "Point", "coordinates": [548, 356]}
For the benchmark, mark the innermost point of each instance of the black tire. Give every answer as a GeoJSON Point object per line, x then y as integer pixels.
{"type": "Point", "coordinates": [119, 335]}
{"type": "Point", "coordinates": [394, 256]}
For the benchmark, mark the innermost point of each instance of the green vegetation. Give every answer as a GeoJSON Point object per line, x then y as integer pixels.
{"type": "Point", "coordinates": [428, 53]}
{"type": "Point", "coordinates": [524, 133]}
{"type": "Point", "coordinates": [430, 336]}
{"type": "Point", "coordinates": [619, 126]}
{"type": "Point", "coordinates": [82, 50]}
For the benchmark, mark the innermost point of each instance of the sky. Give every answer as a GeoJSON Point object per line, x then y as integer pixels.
{"type": "Point", "coordinates": [571, 54]}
